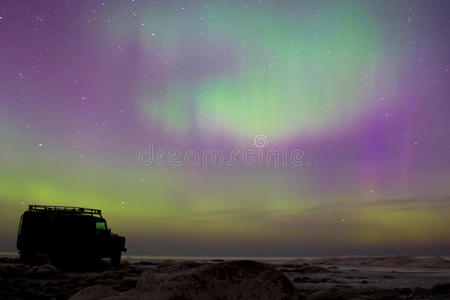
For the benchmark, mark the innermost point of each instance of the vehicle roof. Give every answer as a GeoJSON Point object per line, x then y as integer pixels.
{"type": "Point", "coordinates": [63, 210]}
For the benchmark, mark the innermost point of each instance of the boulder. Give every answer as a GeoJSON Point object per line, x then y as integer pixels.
{"type": "Point", "coordinates": [169, 266]}
{"type": "Point", "coordinates": [333, 294]}
{"type": "Point", "coordinates": [227, 280]}
{"type": "Point", "coordinates": [94, 292]}
{"type": "Point", "coordinates": [441, 289]}
{"type": "Point", "coordinates": [12, 270]}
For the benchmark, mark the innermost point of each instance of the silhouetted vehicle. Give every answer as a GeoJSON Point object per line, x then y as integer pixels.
{"type": "Point", "coordinates": [67, 234]}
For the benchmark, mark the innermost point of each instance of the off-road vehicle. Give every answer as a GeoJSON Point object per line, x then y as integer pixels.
{"type": "Point", "coordinates": [67, 234]}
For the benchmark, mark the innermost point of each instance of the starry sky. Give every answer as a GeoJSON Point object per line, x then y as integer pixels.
{"type": "Point", "coordinates": [360, 88]}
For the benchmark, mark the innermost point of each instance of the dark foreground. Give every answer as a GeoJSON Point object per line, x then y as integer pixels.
{"type": "Point", "coordinates": [329, 278]}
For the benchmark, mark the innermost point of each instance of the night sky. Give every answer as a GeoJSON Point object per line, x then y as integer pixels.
{"type": "Point", "coordinates": [359, 88]}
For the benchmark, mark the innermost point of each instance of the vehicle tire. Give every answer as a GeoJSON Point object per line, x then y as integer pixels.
{"type": "Point", "coordinates": [28, 258]}
{"type": "Point", "coordinates": [115, 258]}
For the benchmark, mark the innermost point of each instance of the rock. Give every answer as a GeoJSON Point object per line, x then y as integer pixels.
{"type": "Point", "coordinates": [107, 281]}
{"type": "Point", "coordinates": [7, 285]}
{"type": "Point", "coordinates": [333, 294]}
{"type": "Point", "coordinates": [134, 272]}
{"type": "Point", "coordinates": [9, 260]}
{"type": "Point", "coordinates": [227, 280]}
{"type": "Point", "coordinates": [124, 263]}
{"type": "Point", "coordinates": [44, 272]}
{"type": "Point", "coordinates": [441, 289]}
{"type": "Point", "coordinates": [145, 263]}
{"type": "Point", "coordinates": [168, 266]}
{"type": "Point", "coordinates": [386, 295]}
{"type": "Point", "coordinates": [404, 291]}
{"type": "Point", "coordinates": [12, 270]}
{"type": "Point", "coordinates": [302, 279]}
{"type": "Point", "coordinates": [77, 278]}
{"type": "Point", "coordinates": [386, 261]}
{"type": "Point", "coordinates": [420, 290]}
{"type": "Point", "coordinates": [94, 292]}
{"type": "Point", "coordinates": [127, 284]}
{"type": "Point", "coordinates": [304, 268]}
{"type": "Point", "coordinates": [307, 268]}
{"type": "Point", "coordinates": [111, 275]}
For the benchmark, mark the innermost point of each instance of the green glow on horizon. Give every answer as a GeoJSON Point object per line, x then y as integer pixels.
{"type": "Point", "coordinates": [258, 211]}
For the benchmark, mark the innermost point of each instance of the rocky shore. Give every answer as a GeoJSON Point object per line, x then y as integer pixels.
{"type": "Point", "coordinates": [330, 278]}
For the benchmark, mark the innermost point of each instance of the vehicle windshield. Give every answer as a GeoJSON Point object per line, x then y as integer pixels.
{"type": "Point", "coordinates": [100, 225]}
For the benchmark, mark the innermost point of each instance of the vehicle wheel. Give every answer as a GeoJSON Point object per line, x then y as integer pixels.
{"type": "Point", "coordinates": [115, 258]}
{"type": "Point", "coordinates": [28, 258]}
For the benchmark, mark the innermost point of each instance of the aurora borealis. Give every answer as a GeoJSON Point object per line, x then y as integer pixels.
{"type": "Point", "coordinates": [361, 87]}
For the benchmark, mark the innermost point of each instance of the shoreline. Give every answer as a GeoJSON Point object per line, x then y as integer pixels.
{"type": "Point", "coordinates": [406, 277]}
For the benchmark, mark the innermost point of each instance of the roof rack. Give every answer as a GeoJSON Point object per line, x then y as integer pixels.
{"type": "Point", "coordinates": [65, 209]}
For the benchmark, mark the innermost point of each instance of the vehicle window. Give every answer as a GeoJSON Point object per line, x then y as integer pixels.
{"type": "Point", "coordinates": [100, 226]}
